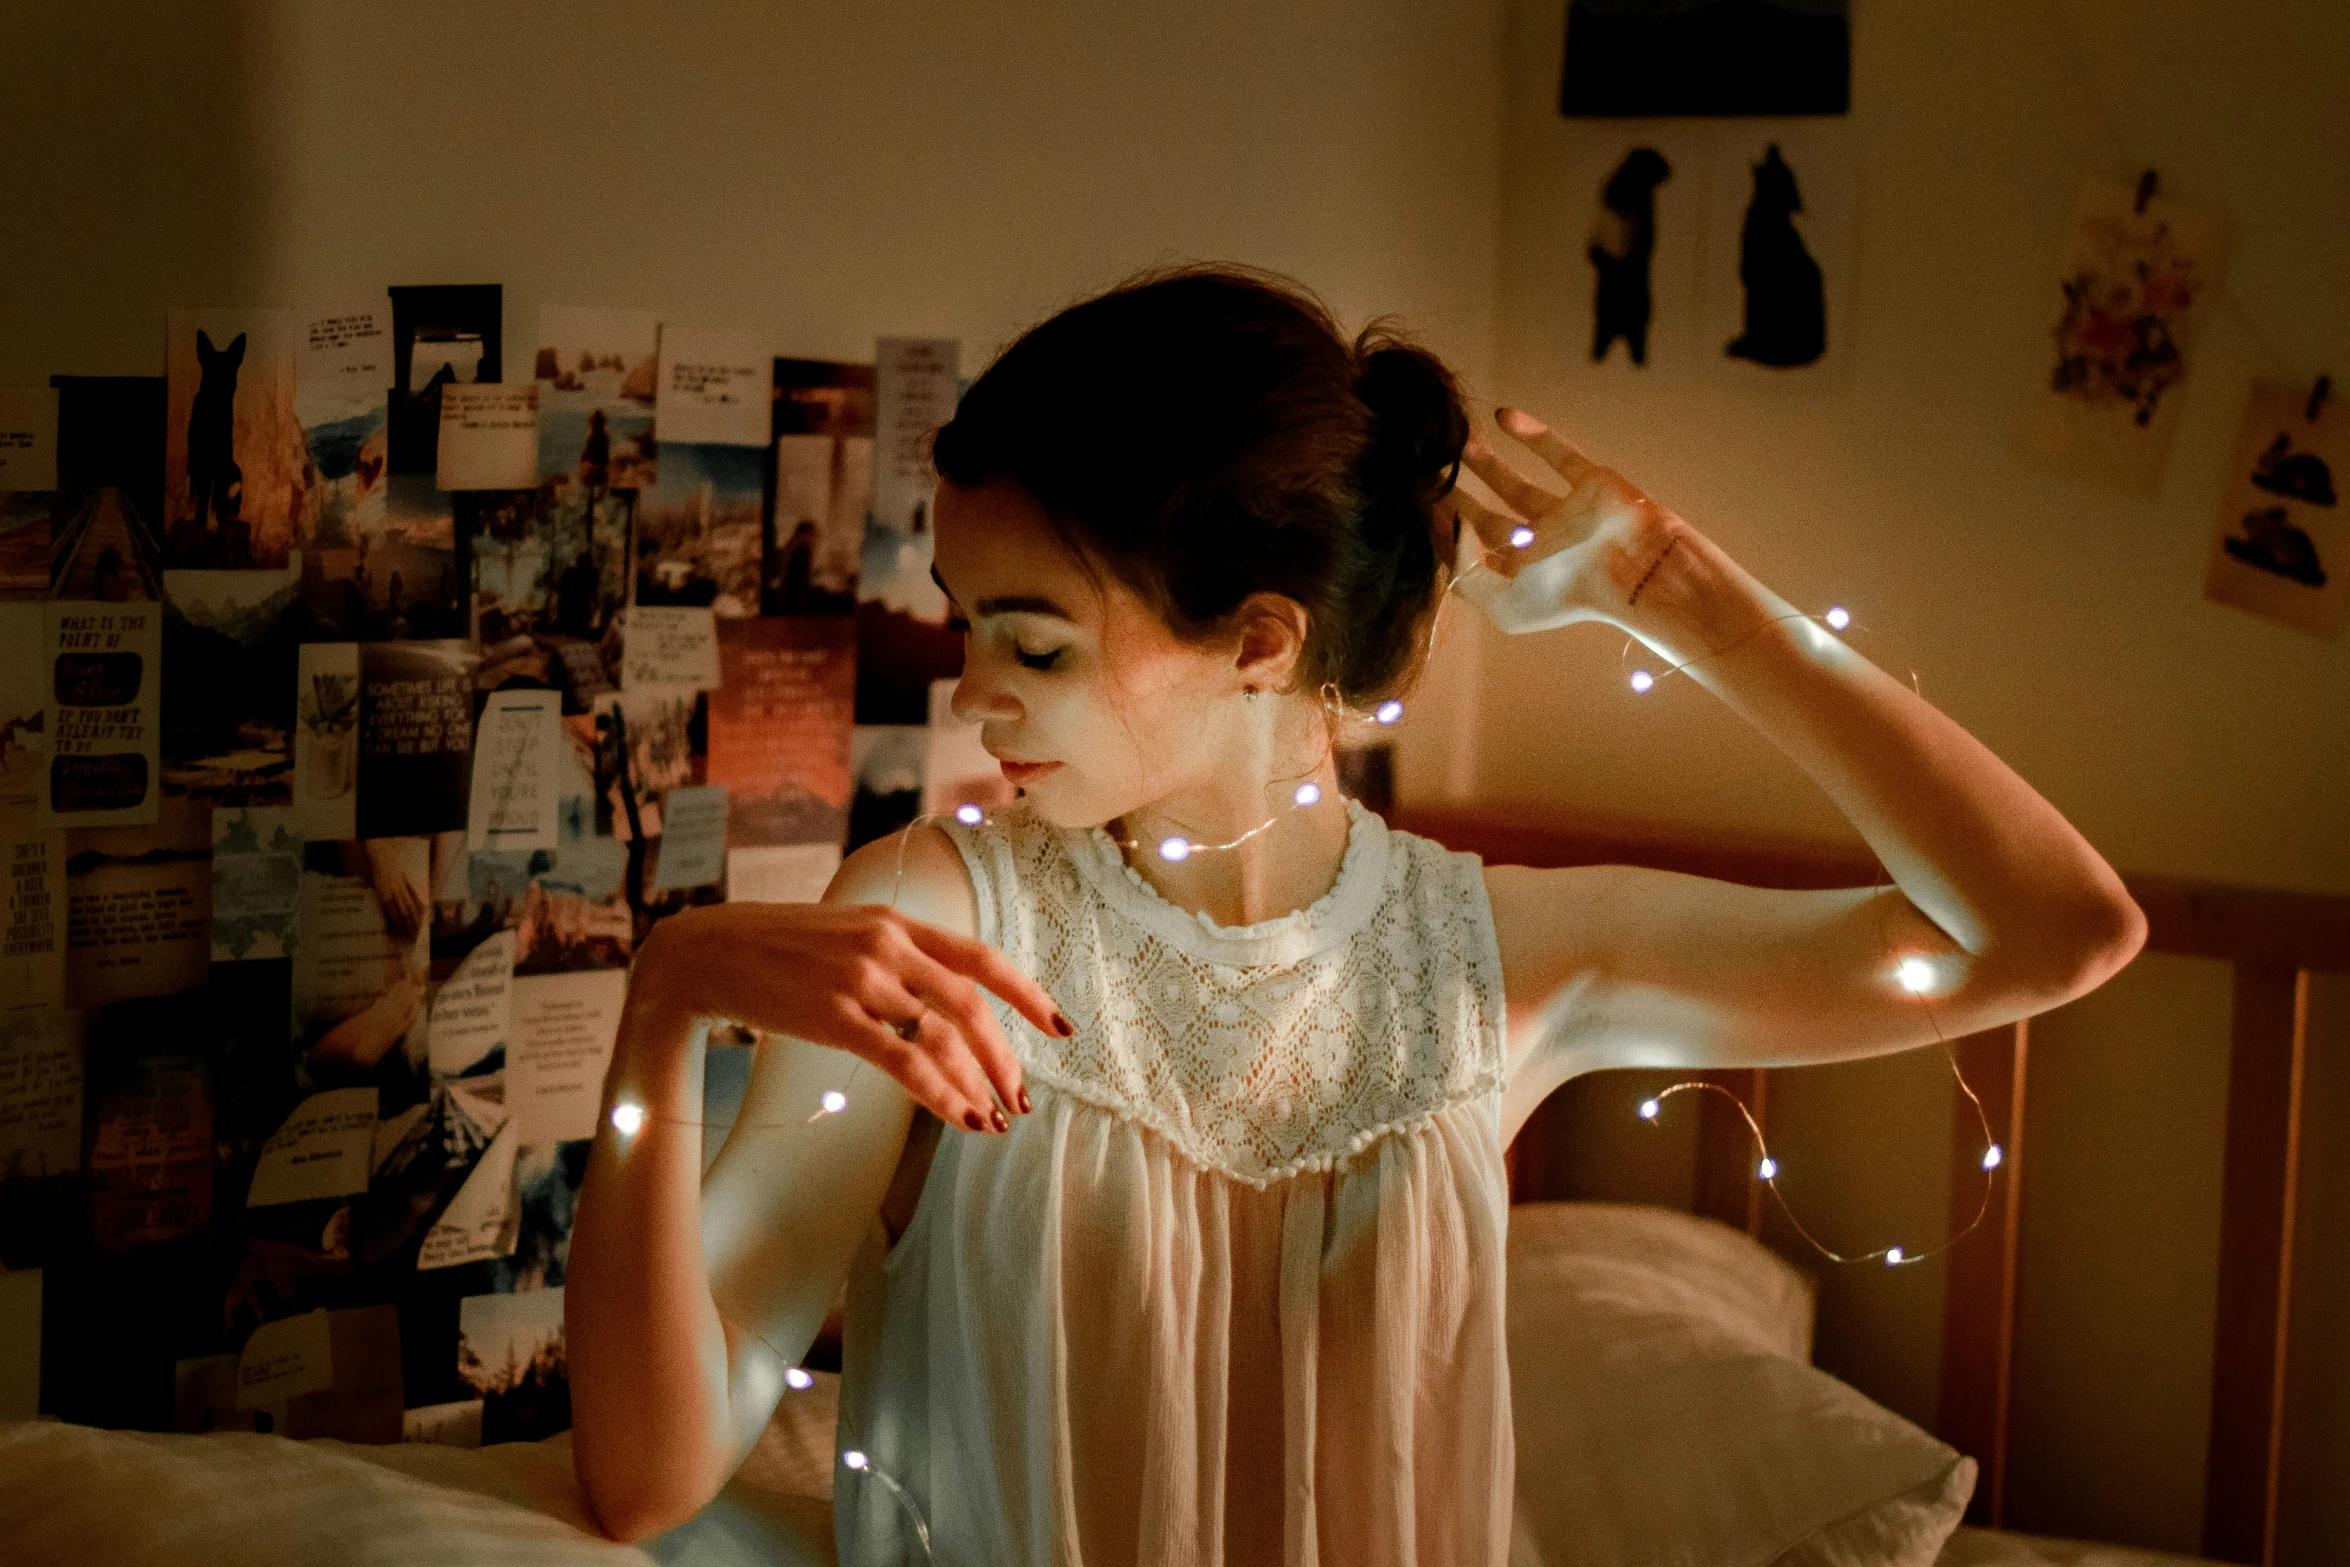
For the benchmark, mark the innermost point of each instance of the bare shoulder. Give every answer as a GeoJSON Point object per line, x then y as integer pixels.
{"type": "Point", "coordinates": [934, 887]}
{"type": "Point", "coordinates": [1549, 923]}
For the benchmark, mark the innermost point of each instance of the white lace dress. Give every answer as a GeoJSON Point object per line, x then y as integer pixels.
{"type": "Point", "coordinates": [1233, 1292]}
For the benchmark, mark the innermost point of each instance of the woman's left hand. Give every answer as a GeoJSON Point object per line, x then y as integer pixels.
{"type": "Point", "coordinates": [1551, 560]}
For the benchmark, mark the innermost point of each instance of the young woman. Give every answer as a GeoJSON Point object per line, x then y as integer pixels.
{"type": "Point", "coordinates": [1207, 1261]}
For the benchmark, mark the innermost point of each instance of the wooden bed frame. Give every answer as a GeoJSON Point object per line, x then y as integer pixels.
{"type": "Point", "coordinates": [2273, 940]}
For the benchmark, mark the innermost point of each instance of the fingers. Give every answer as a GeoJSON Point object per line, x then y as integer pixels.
{"type": "Point", "coordinates": [959, 1002]}
{"type": "Point", "coordinates": [917, 1070]}
{"type": "Point", "coordinates": [1514, 488]}
{"type": "Point", "coordinates": [992, 969]}
{"type": "Point", "coordinates": [1548, 444]}
{"type": "Point", "coordinates": [1493, 527]}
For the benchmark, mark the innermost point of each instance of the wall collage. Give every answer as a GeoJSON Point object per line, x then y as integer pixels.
{"type": "Point", "coordinates": [350, 742]}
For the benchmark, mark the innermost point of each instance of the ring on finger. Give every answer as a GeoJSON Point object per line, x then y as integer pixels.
{"type": "Point", "coordinates": [910, 1027]}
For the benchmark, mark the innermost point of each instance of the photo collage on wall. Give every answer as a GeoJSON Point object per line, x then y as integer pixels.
{"type": "Point", "coordinates": [361, 710]}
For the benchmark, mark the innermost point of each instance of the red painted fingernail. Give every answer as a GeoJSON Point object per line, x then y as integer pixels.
{"type": "Point", "coordinates": [1062, 1026]}
{"type": "Point", "coordinates": [971, 1119]}
{"type": "Point", "coordinates": [1001, 1124]}
{"type": "Point", "coordinates": [1025, 1106]}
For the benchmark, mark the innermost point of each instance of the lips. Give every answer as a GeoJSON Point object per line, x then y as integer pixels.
{"type": "Point", "coordinates": [1027, 772]}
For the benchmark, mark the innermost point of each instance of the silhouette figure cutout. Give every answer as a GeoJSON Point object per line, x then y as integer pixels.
{"type": "Point", "coordinates": [2303, 476]}
{"type": "Point", "coordinates": [217, 535]}
{"type": "Point", "coordinates": [1786, 307]}
{"type": "Point", "coordinates": [2272, 543]}
{"type": "Point", "coordinates": [1622, 243]}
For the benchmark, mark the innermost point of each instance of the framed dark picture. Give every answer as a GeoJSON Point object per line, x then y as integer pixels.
{"type": "Point", "coordinates": [1627, 58]}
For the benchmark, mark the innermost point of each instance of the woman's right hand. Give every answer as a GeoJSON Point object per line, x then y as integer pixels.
{"type": "Point", "coordinates": [850, 976]}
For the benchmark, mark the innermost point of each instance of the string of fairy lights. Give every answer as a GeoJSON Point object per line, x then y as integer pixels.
{"type": "Point", "coordinates": [1913, 974]}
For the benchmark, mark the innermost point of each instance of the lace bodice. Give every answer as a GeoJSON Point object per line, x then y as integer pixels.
{"type": "Point", "coordinates": [1232, 1293]}
{"type": "Point", "coordinates": [1256, 1050]}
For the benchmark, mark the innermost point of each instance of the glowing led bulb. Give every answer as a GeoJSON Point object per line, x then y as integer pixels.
{"type": "Point", "coordinates": [854, 1459]}
{"type": "Point", "coordinates": [1389, 711]}
{"type": "Point", "coordinates": [798, 1380]}
{"type": "Point", "coordinates": [1838, 618]}
{"type": "Point", "coordinates": [969, 815]}
{"type": "Point", "coordinates": [1768, 1169]}
{"type": "Point", "coordinates": [1648, 1109]}
{"type": "Point", "coordinates": [629, 1118]}
{"type": "Point", "coordinates": [1174, 848]}
{"type": "Point", "coordinates": [1991, 1157]}
{"type": "Point", "coordinates": [1521, 536]}
{"type": "Point", "coordinates": [1916, 975]}
{"type": "Point", "coordinates": [1893, 1257]}
{"type": "Point", "coordinates": [834, 1101]}
{"type": "Point", "coordinates": [1308, 793]}
{"type": "Point", "coordinates": [1642, 680]}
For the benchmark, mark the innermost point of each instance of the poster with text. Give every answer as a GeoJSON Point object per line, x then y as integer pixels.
{"type": "Point", "coordinates": [441, 333]}
{"type": "Point", "coordinates": [415, 737]}
{"type": "Point", "coordinates": [32, 939]}
{"type": "Point", "coordinates": [103, 714]}
{"type": "Point", "coordinates": [342, 398]}
{"type": "Point", "coordinates": [779, 728]}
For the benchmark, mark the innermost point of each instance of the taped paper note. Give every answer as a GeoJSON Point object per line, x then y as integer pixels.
{"type": "Point", "coordinates": [326, 1148]}
{"type": "Point", "coordinates": [715, 387]}
{"type": "Point", "coordinates": [28, 438]}
{"type": "Point", "coordinates": [515, 752]}
{"type": "Point", "coordinates": [489, 436]}
{"type": "Point", "coordinates": [564, 1026]}
{"type": "Point", "coordinates": [693, 838]}
{"type": "Point", "coordinates": [669, 645]}
{"type": "Point", "coordinates": [474, 1012]}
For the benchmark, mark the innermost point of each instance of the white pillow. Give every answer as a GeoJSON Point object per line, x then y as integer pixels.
{"type": "Point", "coordinates": [74, 1494]}
{"type": "Point", "coordinates": [1666, 1417]}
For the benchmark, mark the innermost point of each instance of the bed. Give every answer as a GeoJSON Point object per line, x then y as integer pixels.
{"type": "Point", "coordinates": [1667, 1411]}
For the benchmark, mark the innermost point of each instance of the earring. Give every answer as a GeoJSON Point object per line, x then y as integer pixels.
{"type": "Point", "coordinates": [1250, 691]}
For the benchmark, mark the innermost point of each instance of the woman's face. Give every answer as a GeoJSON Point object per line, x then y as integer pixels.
{"type": "Point", "coordinates": [1080, 688]}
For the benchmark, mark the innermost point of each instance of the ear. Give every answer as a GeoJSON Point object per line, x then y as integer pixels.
{"type": "Point", "coordinates": [1272, 638]}
{"type": "Point", "coordinates": [236, 351]}
{"type": "Point", "coordinates": [205, 352]}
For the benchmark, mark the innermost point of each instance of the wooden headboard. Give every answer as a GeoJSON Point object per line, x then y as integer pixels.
{"type": "Point", "coordinates": [2274, 941]}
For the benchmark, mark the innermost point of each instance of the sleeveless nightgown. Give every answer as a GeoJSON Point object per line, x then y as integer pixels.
{"type": "Point", "coordinates": [1232, 1293]}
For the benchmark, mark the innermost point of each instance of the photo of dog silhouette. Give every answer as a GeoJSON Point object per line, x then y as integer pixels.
{"type": "Point", "coordinates": [2272, 543]}
{"type": "Point", "coordinates": [2302, 476]}
{"type": "Point", "coordinates": [1622, 245]}
{"type": "Point", "coordinates": [1786, 307]}
{"type": "Point", "coordinates": [215, 534]}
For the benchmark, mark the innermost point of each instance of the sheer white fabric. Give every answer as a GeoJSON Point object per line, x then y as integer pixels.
{"type": "Point", "coordinates": [1233, 1292]}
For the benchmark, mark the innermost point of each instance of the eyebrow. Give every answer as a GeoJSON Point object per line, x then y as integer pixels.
{"type": "Point", "coordinates": [1010, 604]}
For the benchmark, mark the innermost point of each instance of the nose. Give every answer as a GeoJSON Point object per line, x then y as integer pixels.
{"type": "Point", "coordinates": [980, 697]}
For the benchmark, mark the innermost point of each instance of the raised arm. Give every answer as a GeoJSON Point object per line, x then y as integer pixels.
{"type": "Point", "coordinates": [1997, 908]}
{"type": "Point", "coordinates": [687, 1299]}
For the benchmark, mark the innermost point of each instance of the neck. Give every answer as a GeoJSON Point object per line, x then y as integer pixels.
{"type": "Point", "coordinates": [1289, 854]}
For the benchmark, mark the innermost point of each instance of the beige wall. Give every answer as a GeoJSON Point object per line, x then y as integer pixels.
{"type": "Point", "coordinates": [2062, 624]}
{"type": "Point", "coordinates": [822, 174]}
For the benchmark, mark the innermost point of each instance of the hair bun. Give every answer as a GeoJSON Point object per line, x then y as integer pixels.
{"type": "Point", "coordinates": [1418, 427]}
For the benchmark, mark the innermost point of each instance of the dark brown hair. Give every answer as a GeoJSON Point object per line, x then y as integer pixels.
{"type": "Point", "coordinates": [1209, 432]}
